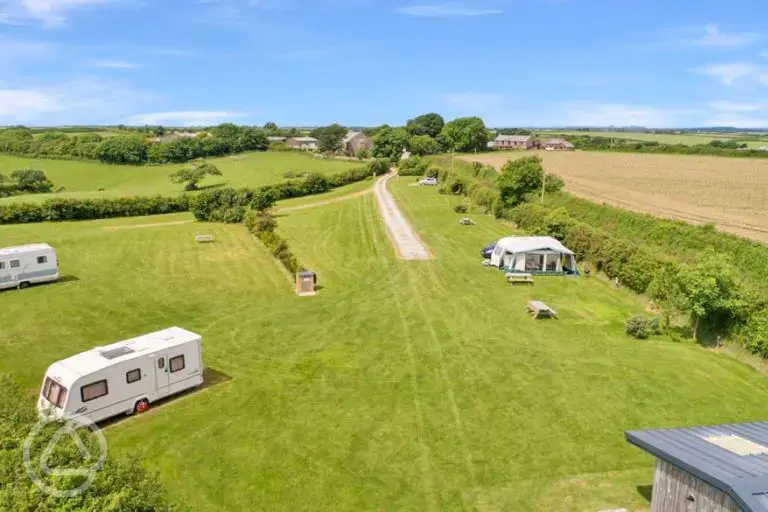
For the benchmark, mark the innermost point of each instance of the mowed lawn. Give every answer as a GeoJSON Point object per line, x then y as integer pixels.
{"type": "Point", "coordinates": [401, 386]}
{"type": "Point", "coordinates": [84, 179]}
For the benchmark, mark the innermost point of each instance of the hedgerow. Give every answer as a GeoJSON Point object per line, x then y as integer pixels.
{"type": "Point", "coordinates": [55, 210]}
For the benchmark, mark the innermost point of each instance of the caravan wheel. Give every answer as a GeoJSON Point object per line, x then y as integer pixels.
{"type": "Point", "coordinates": [23, 285]}
{"type": "Point", "coordinates": [141, 406]}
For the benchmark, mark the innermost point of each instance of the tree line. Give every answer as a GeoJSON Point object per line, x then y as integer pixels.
{"type": "Point", "coordinates": [134, 149]}
{"type": "Point", "coordinates": [714, 148]}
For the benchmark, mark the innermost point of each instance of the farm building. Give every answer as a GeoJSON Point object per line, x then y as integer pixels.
{"type": "Point", "coordinates": [533, 255]}
{"type": "Point", "coordinates": [306, 143]}
{"type": "Point", "coordinates": [355, 142]}
{"type": "Point", "coordinates": [556, 144]}
{"type": "Point", "coordinates": [513, 142]}
{"type": "Point", "coordinates": [276, 139]}
{"type": "Point", "coordinates": [719, 469]}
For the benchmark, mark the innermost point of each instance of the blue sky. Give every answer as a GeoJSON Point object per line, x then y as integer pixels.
{"type": "Point", "coordinates": [368, 62]}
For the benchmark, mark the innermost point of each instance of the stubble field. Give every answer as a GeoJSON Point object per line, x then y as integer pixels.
{"type": "Point", "coordinates": [730, 192]}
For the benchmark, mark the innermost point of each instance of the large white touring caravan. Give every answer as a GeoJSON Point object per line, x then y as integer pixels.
{"type": "Point", "coordinates": [27, 264]}
{"type": "Point", "coordinates": [123, 378]}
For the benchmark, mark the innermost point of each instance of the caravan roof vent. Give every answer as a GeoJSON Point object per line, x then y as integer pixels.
{"type": "Point", "coordinates": [116, 352]}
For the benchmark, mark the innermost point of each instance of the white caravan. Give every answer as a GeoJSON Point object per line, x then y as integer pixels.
{"type": "Point", "coordinates": [123, 378]}
{"type": "Point", "coordinates": [27, 264]}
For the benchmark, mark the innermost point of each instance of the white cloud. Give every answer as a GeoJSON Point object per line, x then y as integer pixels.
{"type": "Point", "coordinates": [739, 122]}
{"type": "Point", "coordinates": [609, 114]}
{"type": "Point", "coordinates": [184, 118]}
{"type": "Point", "coordinates": [715, 37]}
{"type": "Point", "coordinates": [446, 10]}
{"type": "Point", "coordinates": [730, 72]}
{"type": "Point", "coordinates": [114, 64]}
{"type": "Point", "coordinates": [52, 13]}
{"type": "Point", "coordinates": [731, 106]}
{"type": "Point", "coordinates": [86, 100]}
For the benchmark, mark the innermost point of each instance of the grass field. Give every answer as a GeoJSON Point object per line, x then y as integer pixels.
{"type": "Point", "coordinates": [402, 386]}
{"type": "Point", "coordinates": [731, 192]}
{"type": "Point", "coordinates": [84, 179]}
{"type": "Point", "coordinates": [689, 139]}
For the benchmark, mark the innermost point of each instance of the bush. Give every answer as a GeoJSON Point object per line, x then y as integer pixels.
{"type": "Point", "coordinates": [461, 208]}
{"type": "Point", "coordinates": [263, 226]}
{"type": "Point", "coordinates": [654, 326]}
{"type": "Point", "coordinates": [637, 327]}
{"type": "Point", "coordinates": [55, 210]}
{"type": "Point", "coordinates": [414, 166]}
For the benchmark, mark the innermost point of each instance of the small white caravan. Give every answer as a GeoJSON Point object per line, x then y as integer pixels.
{"type": "Point", "coordinates": [123, 378]}
{"type": "Point", "coordinates": [27, 264]}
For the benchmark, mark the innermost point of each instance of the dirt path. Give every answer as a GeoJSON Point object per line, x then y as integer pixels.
{"type": "Point", "coordinates": [407, 243]}
{"type": "Point", "coordinates": [325, 202]}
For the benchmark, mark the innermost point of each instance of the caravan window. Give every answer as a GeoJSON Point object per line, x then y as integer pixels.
{"type": "Point", "coordinates": [2, 265]}
{"type": "Point", "coordinates": [133, 376]}
{"type": "Point", "coordinates": [42, 259]}
{"type": "Point", "coordinates": [176, 364]}
{"type": "Point", "coordinates": [15, 264]}
{"type": "Point", "coordinates": [94, 390]}
{"type": "Point", "coordinates": [55, 393]}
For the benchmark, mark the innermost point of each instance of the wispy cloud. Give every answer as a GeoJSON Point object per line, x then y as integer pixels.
{"type": "Point", "coordinates": [476, 102]}
{"type": "Point", "coordinates": [715, 37]}
{"type": "Point", "coordinates": [695, 38]}
{"type": "Point", "coordinates": [185, 117]}
{"type": "Point", "coordinates": [52, 13]}
{"type": "Point", "coordinates": [447, 10]}
{"type": "Point", "coordinates": [610, 114]}
{"type": "Point", "coordinates": [738, 121]}
{"type": "Point", "coordinates": [87, 99]}
{"type": "Point", "coordinates": [732, 106]}
{"type": "Point", "coordinates": [729, 73]}
{"type": "Point", "coordinates": [114, 64]}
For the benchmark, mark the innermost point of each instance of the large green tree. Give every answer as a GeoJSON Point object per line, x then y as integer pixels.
{"type": "Point", "coordinates": [194, 173]}
{"type": "Point", "coordinates": [465, 134]}
{"type": "Point", "coordinates": [427, 124]}
{"type": "Point", "coordinates": [390, 143]}
{"type": "Point", "coordinates": [123, 149]}
{"type": "Point", "coordinates": [329, 138]}
{"type": "Point", "coordinates": [32, 181]}
{"type": "Point", "coordinates": [422, 145]}
{"type": "Point", "coordinates": [519, 178]}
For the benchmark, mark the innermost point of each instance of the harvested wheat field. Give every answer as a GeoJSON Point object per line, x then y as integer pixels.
{"type": "Point", "coordinates": [731, 192]}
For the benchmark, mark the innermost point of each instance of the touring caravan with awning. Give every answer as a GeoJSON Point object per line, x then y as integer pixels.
{"type": "Point", "coordinates": [533, 255]}
{"type": "Point", "coordinates": [123, 378]}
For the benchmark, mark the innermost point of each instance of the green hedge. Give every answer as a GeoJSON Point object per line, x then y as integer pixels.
{"type": "Point", "coordinates": [55, 210]}
{"type": "Point", "coordinates": [263, 226]}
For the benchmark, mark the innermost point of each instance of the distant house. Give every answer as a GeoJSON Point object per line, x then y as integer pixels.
{"type": "Point", "coordinates": [556, 144]}
{"type": "Point", "coordinates": [355, 142]}
{"type": "Point", "coordinates": [305, 143]}
{"type": "Point", "coordinates": [763, 148]}
{"type": "Point", "coordinates": [277, 139]}
{"type": "Point", "coordinates": [513, 142]}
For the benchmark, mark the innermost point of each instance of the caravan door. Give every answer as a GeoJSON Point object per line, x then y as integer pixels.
{"type": "Point", "coordinates": [162, 377]}
{"type": "Point", "coordinates": [15, 270]}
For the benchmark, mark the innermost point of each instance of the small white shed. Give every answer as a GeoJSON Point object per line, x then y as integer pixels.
{"type": "Point", "coordinates": [533, 254]}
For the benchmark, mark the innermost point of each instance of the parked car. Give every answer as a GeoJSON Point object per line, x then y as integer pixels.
{"type": "Point", "coordinates": [488, 250]}
{"type": "Point", "coordinates": [428, 181]}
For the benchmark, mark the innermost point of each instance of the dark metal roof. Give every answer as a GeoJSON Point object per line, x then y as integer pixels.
{"type": "Point", "coordinates": [306, 274]}
{"type": "Point", "coordinates": [743, 477]}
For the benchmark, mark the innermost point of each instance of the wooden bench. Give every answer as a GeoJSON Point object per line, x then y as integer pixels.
{"type": "Point", "coordinates": [514, 278]}
{"type": "Point", "coordinates": [541, 310]}
{"type": "Point", "coordinates": [204, 238]}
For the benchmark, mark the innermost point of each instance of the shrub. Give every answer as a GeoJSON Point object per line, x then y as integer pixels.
{"type": "Point", "coordinates": [637, 327]}
{"type": "Point", "coordinates": [654, 326]}
{"type": "Point", "coordinates": [32, 181]}
{"type": "Point", "coordinates": [263, 226]}
{"type": "Point", "coordinates": [414, 166]}
{"type": "Point", "coordinates": [461, 208]}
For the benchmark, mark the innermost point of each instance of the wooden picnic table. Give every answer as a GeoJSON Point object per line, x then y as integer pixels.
{"type": "Point", "coordinates": [519, 277]}
{"type": "Point", "coordinates": [541, 310]}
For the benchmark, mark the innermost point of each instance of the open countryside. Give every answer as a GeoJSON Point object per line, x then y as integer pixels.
{"type": "Point", "coordinates": [380, 391]}
{"type": "Point", "coordinates": [729, 192]}
{"type": "Point", "coordinates": [691, 139]}
{"type": "Point", "coordinates": [91, 180]}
